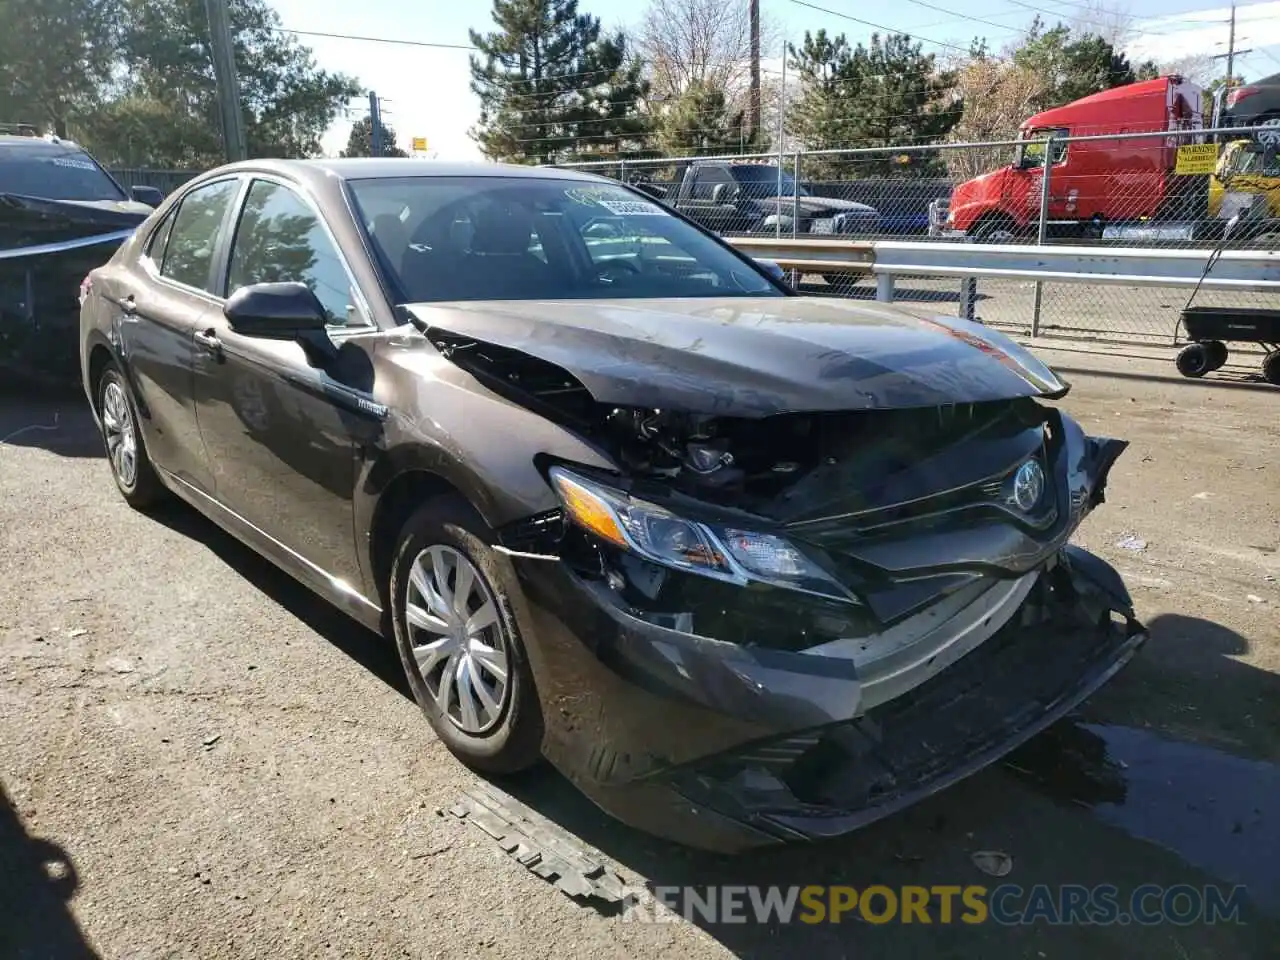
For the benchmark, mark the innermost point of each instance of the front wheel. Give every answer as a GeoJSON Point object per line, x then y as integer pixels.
{"type": "Point", "coordinates": [841, 279]}
{"type": "Point", "coordinates": [452, 610]}
{"type": "Point", "coordinates": [131, 468]}
{"type": "Point", "coordinates": [1193, 360]}
{"type": "Point", "coordinates": [994, 230]}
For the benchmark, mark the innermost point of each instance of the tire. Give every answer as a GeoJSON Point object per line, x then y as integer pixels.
{"type": "Point", "coordinates": [1271, 367]}
{"type": "Point", "coordinates": [841, 281]}
{"type": "Point", "coordinates": [1193, 360]}
{"type": "Point", "coordinates": [1217, 353]}
{"type": "Point", "coordinates": [997, 229]}
{"type": "Point", "coordinates": [504, 734]}
{"type": "Point", "coordinates": [127, 456]}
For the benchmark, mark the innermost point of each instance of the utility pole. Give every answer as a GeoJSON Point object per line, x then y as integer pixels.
{"type": "Point", "coordinates": [375, 125]}
{"type": "Point", "coordinates": [1231, 47]}
{"type": "Point", "coordinates": [753, 121]}
{"type": "Point", "coordinates": [224, 70]}
{"type": "Point", "coordinates": [1230, 57]}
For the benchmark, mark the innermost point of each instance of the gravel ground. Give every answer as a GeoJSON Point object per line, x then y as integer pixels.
{"type": "Point", "coordinates": [199, 759]}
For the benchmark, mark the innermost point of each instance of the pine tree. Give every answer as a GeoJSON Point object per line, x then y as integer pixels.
{"type": "Point", "coordinates": [360, 142]}
{"type": "Point", "coordinates": [1075, 66]}
{"type": "Point", "coordinates": [552, 88]}
{"type": "Point", "coordinates": [701, 122]}
{"type": "Point", "coordinates": [886, 95]}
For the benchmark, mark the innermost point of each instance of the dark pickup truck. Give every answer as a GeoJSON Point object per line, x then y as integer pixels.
{"type": "Point", "coordinates": [749, 198]}
{"type": "Point", "coordinates": [730, 197]}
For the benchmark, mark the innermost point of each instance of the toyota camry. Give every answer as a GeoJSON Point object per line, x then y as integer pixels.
{"type": "Point", "coordinates": [747, 566]}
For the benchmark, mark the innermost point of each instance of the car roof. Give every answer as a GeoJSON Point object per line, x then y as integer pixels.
{"type": "Point", "coordinates": [379, 168]}
{"type": "Point", "coordinates": [40, 143]}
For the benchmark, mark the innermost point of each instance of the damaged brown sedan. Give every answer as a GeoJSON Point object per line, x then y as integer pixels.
{"type": "Point", "coordinates": [748, 567]}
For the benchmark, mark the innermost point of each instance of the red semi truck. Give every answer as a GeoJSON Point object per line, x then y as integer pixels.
{"type": "Point", "coordinates": [1094, 184]}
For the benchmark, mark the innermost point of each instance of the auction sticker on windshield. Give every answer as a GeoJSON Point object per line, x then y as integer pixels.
{"type": "Point", "coordinates": [615, 200]}
{"type": "Point", "coordinates": [632, 208]}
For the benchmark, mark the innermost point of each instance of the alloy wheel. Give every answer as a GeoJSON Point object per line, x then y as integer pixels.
{"type": "Point", "coordinates": [458, 640]}
{"type": "Point", "coordinates": [121, 434]}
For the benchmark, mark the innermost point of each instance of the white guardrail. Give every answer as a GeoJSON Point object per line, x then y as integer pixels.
{"type": "Point", "coordinates": [1256, 271]}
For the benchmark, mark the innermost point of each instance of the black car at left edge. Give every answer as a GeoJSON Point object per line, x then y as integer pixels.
{"type": "Point", "coordinates": [61, 215]}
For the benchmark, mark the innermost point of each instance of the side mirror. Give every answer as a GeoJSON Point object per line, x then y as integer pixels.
{"type": "Point", "coordinates": [282, 311]}
{"type": "Point", "coordinates": [151, 196]}
{"type": "Point", "coordinates": [773, 269]}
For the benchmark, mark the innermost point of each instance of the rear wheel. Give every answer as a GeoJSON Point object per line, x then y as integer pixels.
{"type": "Point", "coordinates": [1271, 367]}
{"type": "Point", "coordinates": [126, 450]}
{"type": "Point", "coordinates": [1217, 353]}
{"type": "Point", "coordinates": [452, 599]}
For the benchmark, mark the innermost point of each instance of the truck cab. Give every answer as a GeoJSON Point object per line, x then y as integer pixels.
{"type": "Point", "coordinates": [1093, 181]}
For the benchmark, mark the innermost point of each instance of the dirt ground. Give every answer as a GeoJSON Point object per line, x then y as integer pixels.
{"type": "Point", "coordinates": [200, 759]}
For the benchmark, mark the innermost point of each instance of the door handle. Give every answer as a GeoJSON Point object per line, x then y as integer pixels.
{"type": "Point", "coordinates": [129, 306]}
{"type": "Point", "coordinates": [209, 340]}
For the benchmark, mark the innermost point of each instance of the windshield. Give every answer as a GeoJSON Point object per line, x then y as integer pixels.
{"type": "Point", "coordinates": [767, 177]}
{"type": "Point", "coordinates": [1252, 159]}
{"type": "Point", "coordinates": [521, 238]}
{"type": "Point", "coordinates": [1030, 156]}
{"type": "Point", "coordinates": [37, 170]}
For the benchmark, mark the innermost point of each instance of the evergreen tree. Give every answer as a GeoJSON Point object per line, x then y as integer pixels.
{"type": "Point", "coordinates": [884, 95]}
{"type": "Point", "coordinates": [360, 142]}
{"type": "Point", "coordinates": [1071, 67]}
{"type": "Point", "coordinates": [701, 122]}
{"type": "Point", "coordinates": [552, 88]}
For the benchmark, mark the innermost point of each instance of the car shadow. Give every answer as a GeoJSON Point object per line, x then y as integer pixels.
{"type": "Point", "coordinates": [57, 422]}
{"type": "Point", "coordinates": [360, 644]}
{"type": "Point", "coordinates": [37, 879]}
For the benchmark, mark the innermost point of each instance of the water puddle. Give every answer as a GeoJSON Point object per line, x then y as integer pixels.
{"type": "Point", "coordinates": [1218, 812]}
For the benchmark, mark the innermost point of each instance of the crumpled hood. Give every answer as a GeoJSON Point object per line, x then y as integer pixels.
{"type": "Point", "coordinates": [753, 356]}
{"type": "Point", "coordinates": [35, 221]}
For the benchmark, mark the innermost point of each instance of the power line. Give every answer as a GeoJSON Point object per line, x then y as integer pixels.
{"type": "Point", "coordinates": [392, 40]}
{"type": "Point", "coordinates": [877, 26]}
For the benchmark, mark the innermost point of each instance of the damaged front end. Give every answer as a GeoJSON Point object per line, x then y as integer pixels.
{"type": "Point", "coordinates": [764, 628]}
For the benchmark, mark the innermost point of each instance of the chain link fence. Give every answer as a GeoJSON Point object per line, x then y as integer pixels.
{"type": "Point", "coordinates": [1187, 189]}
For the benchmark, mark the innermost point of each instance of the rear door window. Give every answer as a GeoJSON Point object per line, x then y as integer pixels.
{"type": "Point", "coordinates": [193, 240]}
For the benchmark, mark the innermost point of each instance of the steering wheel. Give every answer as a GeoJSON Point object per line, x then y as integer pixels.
{"type": "Point", "coordinates": [614, 270]}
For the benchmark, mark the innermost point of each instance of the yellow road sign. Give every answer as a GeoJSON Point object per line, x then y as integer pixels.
{"type": "Point", "coordinates": [419, 143]}
{"type": "Point", "coordinates": [1194, 158]}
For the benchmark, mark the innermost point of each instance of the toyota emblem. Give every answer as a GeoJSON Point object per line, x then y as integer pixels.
{"type": "Point", "coordinates": [1028, 486]}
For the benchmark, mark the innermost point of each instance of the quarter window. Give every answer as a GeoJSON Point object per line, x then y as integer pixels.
{"type": "Point", "coordinates": [155, 246]}
{"type": "Point", "coordinates": [280, 239]}
{"type": "Point", "coordinates": [188, 256]}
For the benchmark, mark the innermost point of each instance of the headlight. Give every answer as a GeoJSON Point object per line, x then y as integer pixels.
{"type": "Point", "coordinates": [658, 535]}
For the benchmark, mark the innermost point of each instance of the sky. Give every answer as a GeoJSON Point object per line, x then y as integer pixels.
{"type": "Point", "coordinates": [426, 90]}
